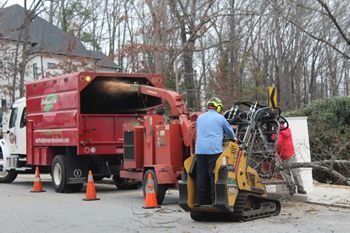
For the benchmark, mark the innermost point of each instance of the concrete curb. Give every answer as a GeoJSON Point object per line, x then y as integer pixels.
{"type": "Point", "coordinates": [329, 204]}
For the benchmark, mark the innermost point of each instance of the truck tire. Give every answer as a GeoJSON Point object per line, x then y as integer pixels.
{"type": "Point", "coordinates": [59, 180]}
{"type": "Point", "coordinates": [159, 189]}
{"type": "Point", "coordinates": [58, 174]}
{"type": "Point", "coordinates": [8, 176]}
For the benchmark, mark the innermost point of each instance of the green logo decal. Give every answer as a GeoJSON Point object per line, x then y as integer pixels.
{"type": "Point", "coordinates": [49, 101]}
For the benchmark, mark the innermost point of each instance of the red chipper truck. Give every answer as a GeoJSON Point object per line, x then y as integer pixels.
{"type": "Point", "coordinates": [116, 124]}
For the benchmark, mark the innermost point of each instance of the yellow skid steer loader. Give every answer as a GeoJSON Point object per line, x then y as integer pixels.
{"type": "Point", "coordinates": [239, 174]}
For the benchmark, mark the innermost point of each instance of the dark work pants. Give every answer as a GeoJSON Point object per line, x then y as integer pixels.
{"type": "Point", "coordinates": [205, 165]}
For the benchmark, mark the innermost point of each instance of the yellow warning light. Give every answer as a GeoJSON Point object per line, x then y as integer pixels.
{"type": "Point", "coordinates": [87, 78]}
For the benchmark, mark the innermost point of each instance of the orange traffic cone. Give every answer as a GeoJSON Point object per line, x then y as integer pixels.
{"type": "Point", "coordinates": [37, 186]}
{"type": "Point", "coordinates": [90, 189]}
{"type": "Point", "coordinates": [151, 197]}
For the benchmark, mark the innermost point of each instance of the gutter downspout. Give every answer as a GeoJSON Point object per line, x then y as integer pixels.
{"type": "Point", "coordinates": [41, 66]}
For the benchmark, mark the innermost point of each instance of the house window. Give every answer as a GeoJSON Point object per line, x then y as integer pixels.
{"type": "Point", "coordinates": [3, 104]}
{"type": "Point", "coordinates": [51, 65]}
{"type": "Point", "coordinates": [35, 71]}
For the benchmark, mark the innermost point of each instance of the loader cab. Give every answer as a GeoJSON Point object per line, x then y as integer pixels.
{"type": "Point", "coordinates": [15, 128]}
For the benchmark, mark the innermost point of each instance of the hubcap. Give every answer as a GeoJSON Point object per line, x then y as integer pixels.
{"type": "Point", "coordinates": [57, 174]}
{"type": "Point", "coordinates": [3, 173]}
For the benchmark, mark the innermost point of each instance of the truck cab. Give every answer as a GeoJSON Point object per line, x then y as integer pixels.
{"type": "Point", "coordinates": [13, 143]}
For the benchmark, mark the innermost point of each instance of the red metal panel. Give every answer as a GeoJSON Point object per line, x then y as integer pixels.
{"type": "Point", "coordinates": [29, 141]}
{"type": "Point", "coordinates": [139, 146]}
{"type": "Point", "coordinates": [149, 138]}
{"type": "Point", "coordinates": [55, 137]}
{"type": "Point", "coordinates": [54, 120]}
{"type": "Point", "coordinates": [52, 102]}
{"type": "Point", "coordinates": [165, 174]}
{"type": "Point", "coordinates": [169, 146]}
{"type": "Point", "coordinates": [98, 130]}
{"type": "Point", "coordinates": [156, 80]}
{"type": "Point", "coordinates": [42, 156]}
{"type": "Point", "coordinates": [137, 162]}
{"type": "Point", "coordinates": [131, 175]}
{"type": "Point", "coordinates": [101, 149]}
{"type": "Point", "coordinates": [52, 85]}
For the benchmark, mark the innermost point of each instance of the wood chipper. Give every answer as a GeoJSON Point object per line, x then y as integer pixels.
{"type": "Point", "coordinates": [240, 171]}
{"type": "Point", "coordinates": [160, 143]}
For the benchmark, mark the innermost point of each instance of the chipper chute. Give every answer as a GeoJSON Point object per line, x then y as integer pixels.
{"type": "Point", "coordinates": [240, 171]}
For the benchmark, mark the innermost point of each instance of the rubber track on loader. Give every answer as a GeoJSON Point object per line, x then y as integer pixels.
{"type": "Point", "coordinates": [267, 207]}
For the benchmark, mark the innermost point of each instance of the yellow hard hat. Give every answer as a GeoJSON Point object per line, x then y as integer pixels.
{"type": "Point", "coordinates": [215, 102]}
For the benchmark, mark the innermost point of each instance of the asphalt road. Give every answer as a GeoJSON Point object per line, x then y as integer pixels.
{"type": "Point", "coordinates": [121, 211]}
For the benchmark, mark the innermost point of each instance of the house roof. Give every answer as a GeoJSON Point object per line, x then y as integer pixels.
{"type": "Point", "coordinates": [46, 37]}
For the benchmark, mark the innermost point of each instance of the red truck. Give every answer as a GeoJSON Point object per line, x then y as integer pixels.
{"type": "Point", "coordinates": [117, 124]}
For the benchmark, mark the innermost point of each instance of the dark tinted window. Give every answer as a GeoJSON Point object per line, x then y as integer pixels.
{"type": "Point", "coordinates": [13, 118]}
{"type": "Point", "coordinates": [23, 118]}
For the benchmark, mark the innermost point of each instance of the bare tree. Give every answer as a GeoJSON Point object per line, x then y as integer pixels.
{"type": "Point", "coordinates": [22, 45]}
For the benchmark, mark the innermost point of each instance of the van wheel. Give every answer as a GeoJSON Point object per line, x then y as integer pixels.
{"type": "Point", "coordinates": [159, 189]}
{"type": "Point", "coordinates": [8, 176]}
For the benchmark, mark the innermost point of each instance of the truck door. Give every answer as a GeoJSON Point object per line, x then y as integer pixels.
{"type": "Point", "coordinates": [10, 134]}
{"type": "Point", "coordinates": [20, 132]}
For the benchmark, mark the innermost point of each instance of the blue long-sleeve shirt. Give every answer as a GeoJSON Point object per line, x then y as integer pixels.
{"type": "Point", "coordinates": [210, 132]}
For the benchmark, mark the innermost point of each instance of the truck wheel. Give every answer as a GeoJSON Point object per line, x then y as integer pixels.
{"type": "Point", "coordinates": [58, 173]}
{"type": "Point", "coordinates": [159, 189]}
{"type": "Point", "coordinates": [8, 176]}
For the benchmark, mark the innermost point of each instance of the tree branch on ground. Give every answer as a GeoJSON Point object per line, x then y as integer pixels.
{"type": "Point", "coordinates": [321, 166]}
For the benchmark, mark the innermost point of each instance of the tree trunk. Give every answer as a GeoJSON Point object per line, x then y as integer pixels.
{"type": "Point", "coordinates": [51, 12]}
{"type": "Point", "coordinates": [281, 81]}
{"type": "Point", "coordinates": [232, 75]}
{"type": "Point", "coordinates": [340, 179]}
{"type": "Point", "coordinates": [63, 16]}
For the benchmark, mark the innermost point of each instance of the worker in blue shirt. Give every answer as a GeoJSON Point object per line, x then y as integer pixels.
{"type": "Point", "coordinates": [210, 129]}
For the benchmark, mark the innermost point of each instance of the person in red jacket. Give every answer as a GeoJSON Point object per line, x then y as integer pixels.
{"type": "Point", "coordinates": [286, 156]}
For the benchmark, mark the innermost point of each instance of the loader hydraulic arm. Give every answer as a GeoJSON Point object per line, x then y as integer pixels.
{"type": "Point", "coordinates": [178, 109]}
